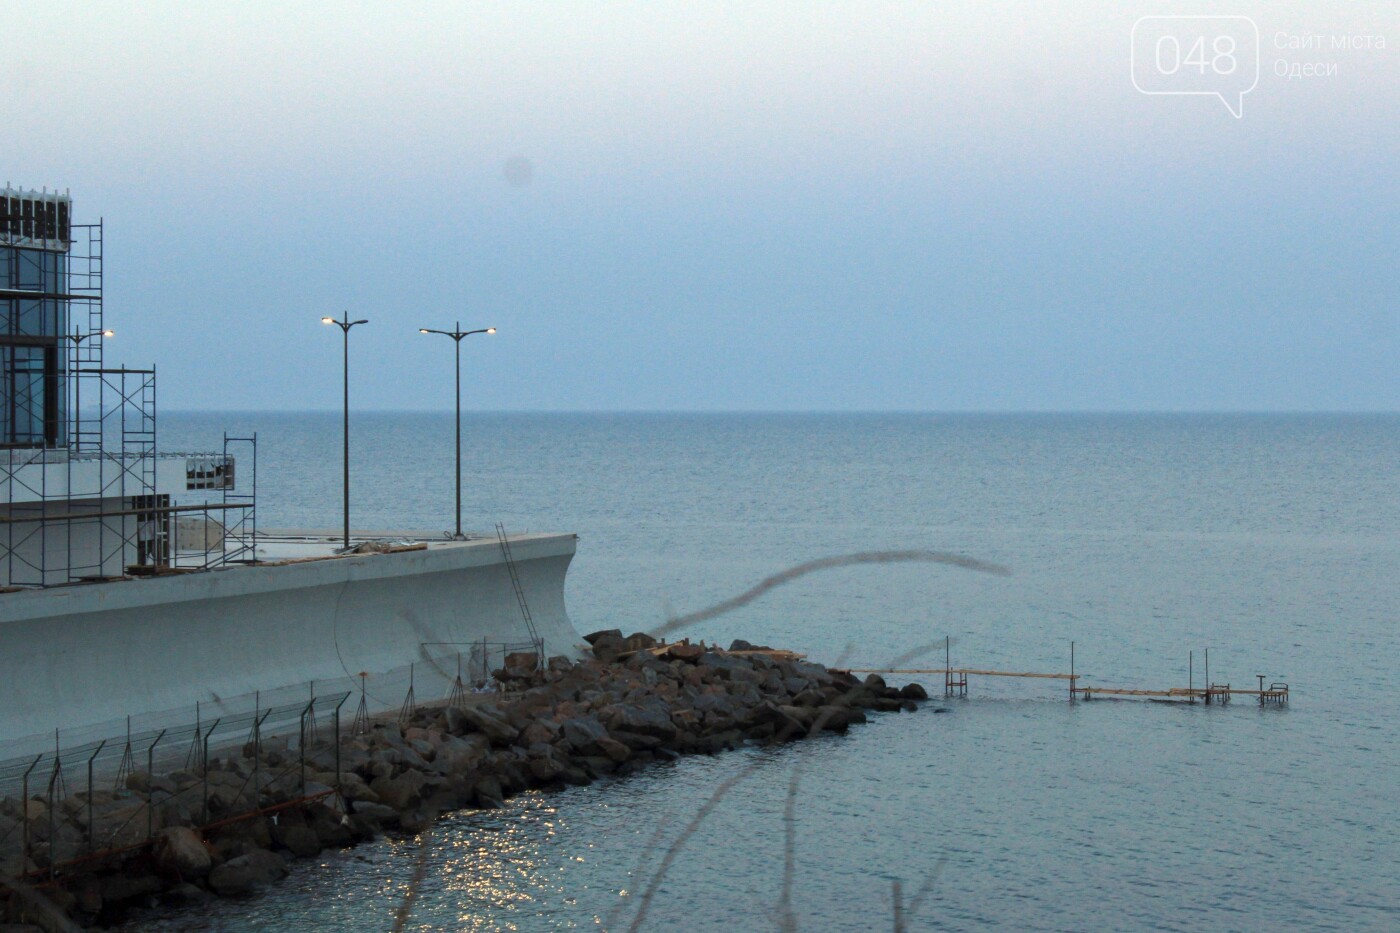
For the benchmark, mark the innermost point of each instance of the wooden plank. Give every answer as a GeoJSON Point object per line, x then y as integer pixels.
{"type": "Point", "coordinates": [956, 670]}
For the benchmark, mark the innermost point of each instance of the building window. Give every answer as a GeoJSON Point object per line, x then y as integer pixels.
{"type": "Point", "coordinates": [31, 363]}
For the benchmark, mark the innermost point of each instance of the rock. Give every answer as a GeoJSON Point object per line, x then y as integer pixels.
{"type": "Point", "coordinates": [301, 841]}
{"type": "Point", "coordinates": [401, 792]}
{"type": "Point", "coordinates": [417, 820]}
{"type": "Point", "coordinates": [592, 637]}
{"type": "Point", "coordinates": [559, 664]}
{"type": "Point", "coordinates": [181, 853]}
{"type": "Point", "coordinates": [464, 754]}
{"type": "Point", "coordinates": [522, 661]}
{"type": "Point", "coordinates": [333, 831]}
{"type": "Point", "coordinates": [88, 897]}
{"type": "Point", "coordinates": [583, 733]}
{"type": "Point", "coordinates": [805, 715]}
{"type": "Point", "coordinates": [386, 734]}
{"type": "Point", "coordinates": [833, 718]}
{"type": "Point", "coordinates": [489, 721]}
{"type": "Point", "coordinates": [875, 684]}
{"type": "Point", "coordinates": [546, 768]}
{"type": "Point", "coordinates": [613, 749]}
{"type": "Point", "coordinates": [128, 886]}
{"type": "Point", "coordinates": [377, 814]}
{"type": "Point", "coordinates": [185, 894]}
{"type": "Point", "coordinates": [353, 787]}
{"type": "Point", "coordinates": [639, 641]}
{"type": "Point", "coordinates": [457, 724]}
{"type": "Point", "coordinates": [541, 730]}
{"type": "Point", "coordinates": [690, 653]}
{"type": "Point", "coordinates": [781, 719]}
{"type": "Point", "coordinates": [488, 793]}
{"type": "Point", "coordinates": [635, 741]}
{"type": "Point", "coordinates": [649, 716]}
{"type": "Point", "coordinates": [608, 647]}
{"type": "Point", "coordinates": [913, 692]}
{"type": "Point", "coordinates": [247, 873]}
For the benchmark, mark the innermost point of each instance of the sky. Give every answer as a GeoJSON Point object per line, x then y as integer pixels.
{"type": "Point", "coordinates": [759, 206]}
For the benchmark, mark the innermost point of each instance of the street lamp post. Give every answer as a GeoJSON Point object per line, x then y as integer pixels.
{"type": "Point", "coordinates": [457, 336]}
{"type": "Point", "coordinates": [345, 326]}
{"type": "Point", "coordinates": [78, 337]}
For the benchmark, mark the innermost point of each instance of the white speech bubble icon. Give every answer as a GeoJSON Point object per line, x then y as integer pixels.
{"type": "Point", "coordinates": [1211, 55]}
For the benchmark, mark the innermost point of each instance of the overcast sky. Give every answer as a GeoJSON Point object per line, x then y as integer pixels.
{"type": "Point", "coordinates": [748, 206]}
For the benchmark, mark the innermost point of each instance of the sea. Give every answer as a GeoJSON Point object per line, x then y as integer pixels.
{"type": "Point", "coordinates": [1145, 541]}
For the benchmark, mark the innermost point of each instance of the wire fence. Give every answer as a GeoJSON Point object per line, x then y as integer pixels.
{"type": "Point", "coordinates": [115, 785]}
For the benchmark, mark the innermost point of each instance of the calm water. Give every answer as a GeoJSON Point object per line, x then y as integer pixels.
{"type": "Point", "coordinates": [1273, 541]}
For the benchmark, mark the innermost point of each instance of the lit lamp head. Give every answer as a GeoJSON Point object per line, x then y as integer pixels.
{"type": "Point", "coordinates": [490, 330]}
{"type": "Point", "coordinates": [327, 320]}
{"type": "Point", "coordinates": [424, 330]}
{"type": "Point", "coordinates": [108, 333]}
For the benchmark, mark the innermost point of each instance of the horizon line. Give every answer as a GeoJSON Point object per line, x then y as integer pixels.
{"type": "Point", "coordinates": [796, 411]}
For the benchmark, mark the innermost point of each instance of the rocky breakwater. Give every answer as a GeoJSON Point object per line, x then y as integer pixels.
{"type": "Point", "coordinates": [634, 703]}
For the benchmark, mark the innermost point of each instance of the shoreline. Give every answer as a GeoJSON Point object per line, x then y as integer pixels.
{"type": "Point", "coordinates": [230, 828]}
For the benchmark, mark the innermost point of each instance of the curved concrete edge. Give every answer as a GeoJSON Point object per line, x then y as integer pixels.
{"type": "Point", "coordinates": [77, 656]}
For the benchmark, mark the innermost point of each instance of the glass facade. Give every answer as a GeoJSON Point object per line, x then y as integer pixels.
{"type": "Point", "coordinates": [32, 409]}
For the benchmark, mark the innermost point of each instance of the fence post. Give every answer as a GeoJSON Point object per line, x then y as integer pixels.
{"type": "Point", "coordinates": [337, 746]}
{"type": "Point", "coordinates": [150, 784]}
{"type": "Point", "coordinates": [410, 702]}
{"type": "Point", "coordinates": [204, 755]}
{"type": "Point", "coordinates": [89, 791]}
{"type": "Point", "coordinates": [309, 711]}
{"type": "Point", "coordinates": [257, 755]}
{"type": "Point", "coordinates": [24, 811]}
{"type": "Point", "coordinates": [55, 781]}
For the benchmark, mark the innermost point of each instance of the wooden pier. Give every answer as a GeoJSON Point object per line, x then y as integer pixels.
{"type": "Point", "coordinates": [955, 683]}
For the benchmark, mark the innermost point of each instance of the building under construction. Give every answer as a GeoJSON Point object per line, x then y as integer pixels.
{"type": "Point", "coordinates": [84, 493]}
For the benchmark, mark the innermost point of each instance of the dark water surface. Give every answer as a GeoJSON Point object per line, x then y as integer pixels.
{"type": "Point", "coordinates": [1272, 540]}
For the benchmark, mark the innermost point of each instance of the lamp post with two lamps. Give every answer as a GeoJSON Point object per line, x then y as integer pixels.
{"type": "Point", "coordinates": [457, 336]}
{"type": "Point", "coordinates": [345, 326]}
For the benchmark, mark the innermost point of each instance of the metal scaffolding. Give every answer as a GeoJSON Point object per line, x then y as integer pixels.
{"type": "Point", "coordinates": [78, 465]}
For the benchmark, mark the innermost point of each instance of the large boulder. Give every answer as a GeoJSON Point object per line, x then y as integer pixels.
{"type": "Point", "coordinates": [593, 637]}
{"type": "Point", "coordinates": [465, 754]}
{"type": "Point", "coordinates": [484, 718]}
{"type": "Point", "coordinates": [128, 886]}
{"type": "Point", "coordinates": [377, 814]}
{"type": "Point", "coordinates": [540, 730]}
{"type": "Point", "coordinates": [648, 716]}
{"type": "Point", "coordinates": [608, 646]}
{"type": "Point", "coordinates": [544, 765]}
{"type": "Point", "coordinates": [247, 873]}
{"type": "Point", "coordinates": [614, 750]}
{"type": "Point", "coordinates": [401, 792]}
{"type": "Point", "coordinates": [584, 733]}
{"type": "Point", "coordinates": [179, 852]}
{"type": "Point", "coordinates": [300, 840]}
{"type": "Point", "coordinates": [639, 641]}
{"type": "Point", "coordinates": [488, 791]}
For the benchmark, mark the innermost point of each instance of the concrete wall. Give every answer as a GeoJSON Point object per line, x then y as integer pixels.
{"type": "Point", "coordinates": [76, 658]}
{"type": "Point", "coordinates": [50, 553]}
